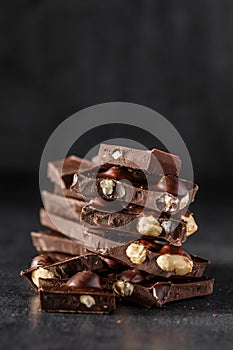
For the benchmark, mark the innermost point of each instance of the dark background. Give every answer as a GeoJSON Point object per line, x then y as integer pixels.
{"type": "Point", "coordinates": [57, 57]}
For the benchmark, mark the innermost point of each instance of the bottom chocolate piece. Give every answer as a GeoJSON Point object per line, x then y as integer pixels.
{"type": "Point", "coordinates": [83, 293]}
{"type": "Point", "coordinates": [158, 293]}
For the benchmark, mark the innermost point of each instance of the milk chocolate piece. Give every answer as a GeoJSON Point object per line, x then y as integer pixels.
{"type": "Point", "coordinates": [162, 201]}
{"type": "Point", "coordinates": [57, 296]}
{"type": "Point", "coordinates": [157, 293]}
{"type": "Point", "coordinates": [154, 161]}
{"type": "Point", "coordinates": [61, 172]}
{"type": "Point", "coordinates": [52, 241]}
{"type": "Point", "coordinates": [67, 193]}
{"type": "Point", "coordinates": [149, 224]}
{"type": "Point", "coordinates": [62, 206]}
{"type": "Point", "coordinates": [144, 254]}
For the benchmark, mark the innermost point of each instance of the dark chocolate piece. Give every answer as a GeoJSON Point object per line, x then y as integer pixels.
{"type": "Point", "coordinates": [39, 264]}
{"type": "Point", "coordinates": [41, 260]}
{"type": "Point", "coordinates": [61, 172]}
{"type": "Point", "coordinates": [84, 279]}
{"type": "Point", "coordinates": [57, 296]}
{"type": "Point", "coordinates": [62, 269]}
{"type": "Point", "coordinates": [146, 255]}
{"type": "Point", "coordinates": [147, 224]}
{"type": "Point", "coordinates": [154, 161]}
{"type": "Point", "coordinates": [157, 293]}
{"type": "Point", "coordinates": [136, 176]}
{"type": "Point", "coordinates": [90, 187]}
{"type": "Point", "coordinates": [94, 239]}
{"type": "Point", "coordinates": [52, 241]}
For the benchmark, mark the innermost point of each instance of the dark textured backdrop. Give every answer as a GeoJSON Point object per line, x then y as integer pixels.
{"type": "Point", "coordinates": [174, 56]}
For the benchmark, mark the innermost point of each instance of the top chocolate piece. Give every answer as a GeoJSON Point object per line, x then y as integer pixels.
{"type": "Point", "coordinates": [153, 161]}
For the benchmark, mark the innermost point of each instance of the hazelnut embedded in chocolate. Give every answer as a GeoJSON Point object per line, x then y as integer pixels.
{"type": "Point", "coordinates": [84, 279]}
{"type": "Point", "coordinates": [191, 225]}
{"type": "Point", "coordinates": [41, 272]}
{"type": "Point", "coordinates": [175, 259]}
{"type": "Point", "coordinates": [87, 300]}
{"type": "Point", "coordinates": [168, 203]}
{"type": "Point", "coordinates": [41, 260]}
{"type": "Point", "coordinates": [107, 186]}
{"type": "Point", "coordinates": [136, 252]}
{"type": "Point", "coordinates": [125, 289]}
{"type": "Point", "coordinates": [149, 226]}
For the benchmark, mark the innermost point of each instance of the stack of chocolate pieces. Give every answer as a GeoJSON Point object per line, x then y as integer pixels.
{"type": "Point", "coordinates": [115, 229]}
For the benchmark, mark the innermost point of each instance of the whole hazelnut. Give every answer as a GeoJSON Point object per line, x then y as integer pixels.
{"type": "Point", "coordinates": [41, 272]}
{"type": "Point", "coordinates": [149, 226]}
{"type": "Point", "coordinates": [136, 252]}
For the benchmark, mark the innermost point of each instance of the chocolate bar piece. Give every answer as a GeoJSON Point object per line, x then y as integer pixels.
{"type": "Point", "coordinates": [147, 224]}
{"type": "Point", "coordinates": [61, 172]}
{"type": "Point", "coordinates": [38, 268]}
{"type": "Point", "coordinates": [52, 241]}
{"type": "Point", "coordinates": [156, 197]}
{"type": "Point", "coordinates": [153, 161]}
{"type": "Point", "coordinates": [43, 266]}
{"type": "Point", "coordinates": [155, 293]}
{"type": "Point", "coordinates": [67, 193]}
{"type": "Point", "coordinates": [91, 238]}
{"type": "Point", "coordinates": [83, 293]}
{"type": "Point", "coordinates": [157, 259]}
{"type": "Point", "coordinates": [62, 206]}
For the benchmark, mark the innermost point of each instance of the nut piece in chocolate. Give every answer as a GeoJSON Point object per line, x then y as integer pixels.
{"type": "Point", "coordinates": [181, 264]}
{"type": "Point", "coordinates": [87, 300]}
{"type": "Point", "coordinates": [107, 186]}
{"type": "Point", "coordinates": [149, 226]}
{"type": "Point", "coordinates": [40, 272]}
{"type": "Point", "coordinates": [168, 203]}
{"type": "Point", "coordinates": [123, 288]}
{"type": "Point", "coordinates": [191, 225]}
{"type": "Point", "coordinates": [136, 252]}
